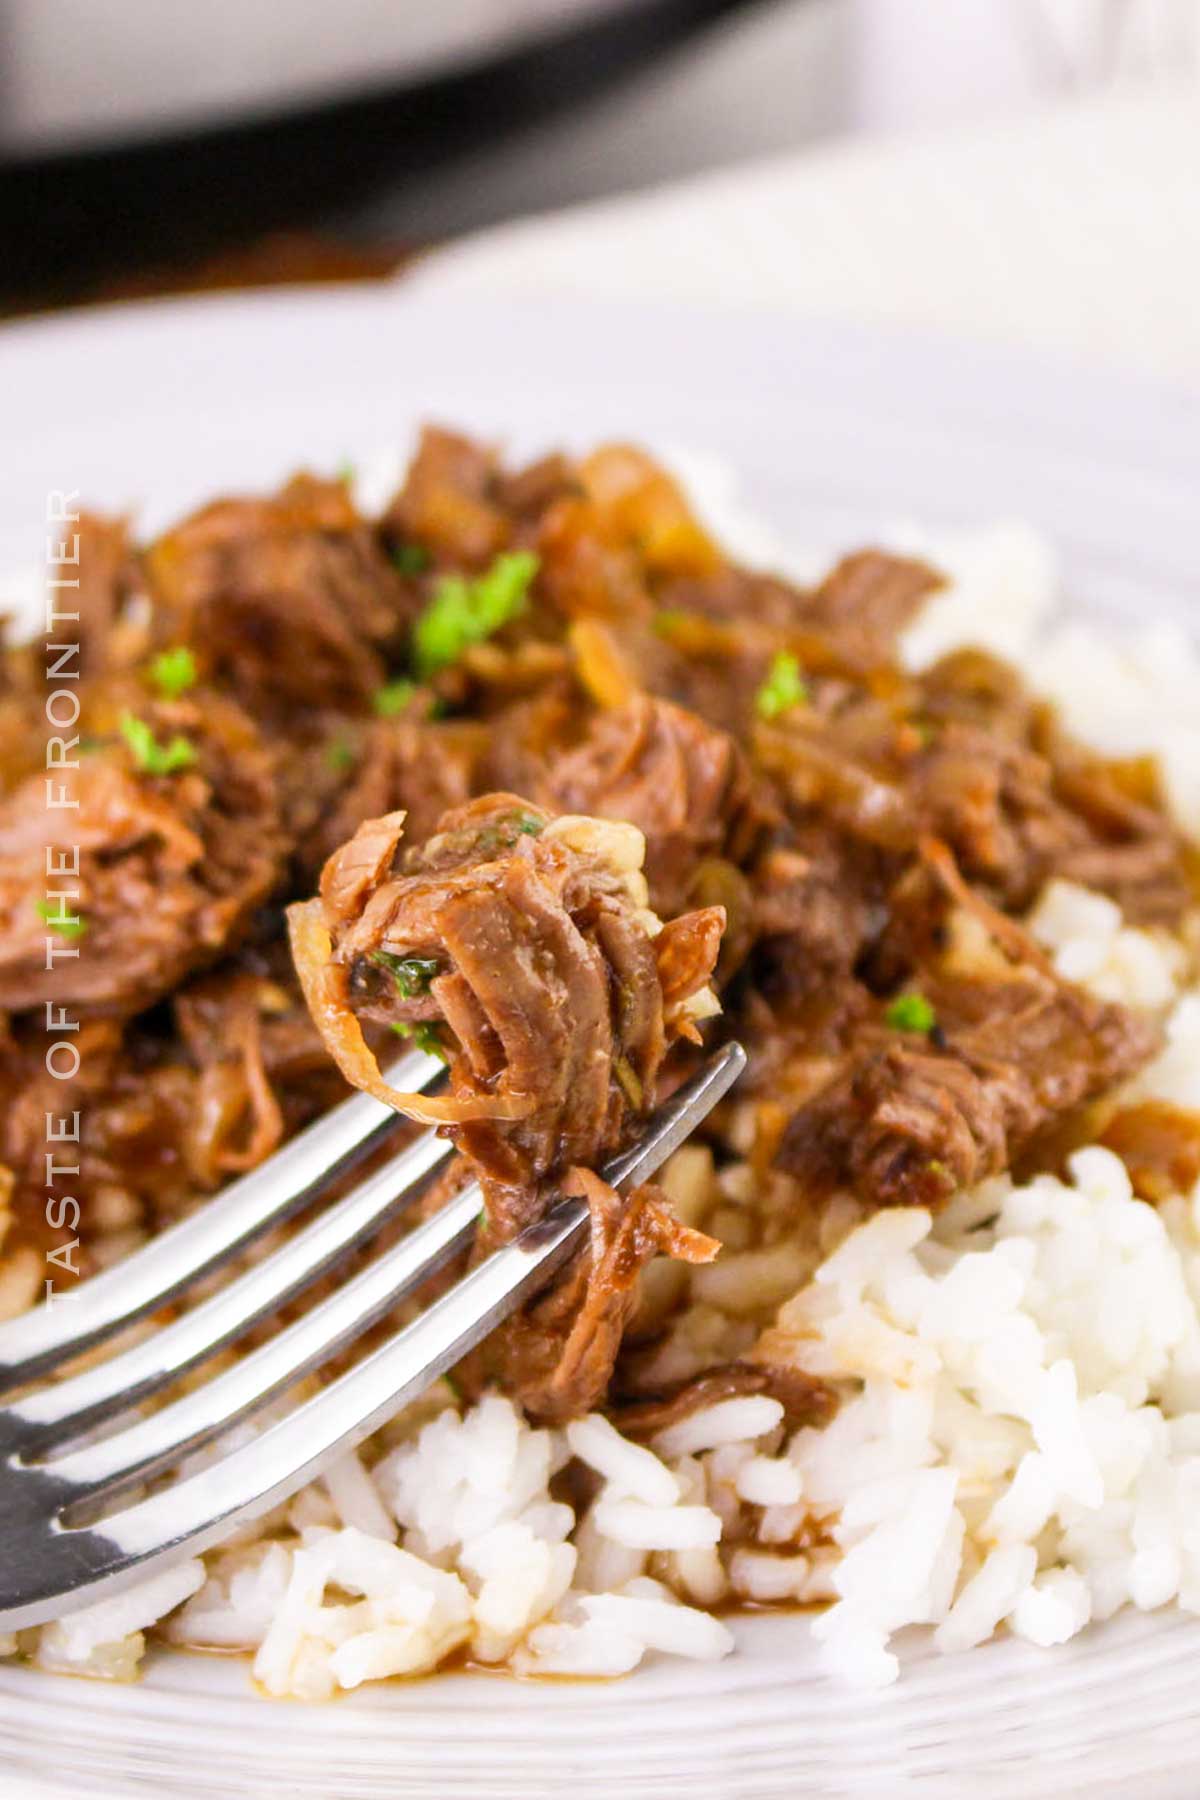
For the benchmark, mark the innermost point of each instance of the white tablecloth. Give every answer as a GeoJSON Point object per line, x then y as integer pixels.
{"type": "Point", "coordinates": [1076, 229]}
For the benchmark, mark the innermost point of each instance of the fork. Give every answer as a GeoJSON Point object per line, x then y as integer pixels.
{"type": "Point", "coordinates": [61, 1549]}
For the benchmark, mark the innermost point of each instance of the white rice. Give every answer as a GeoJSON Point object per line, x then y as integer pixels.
{"type": "Point", "coordinates": [1021, 1440]}
{"type": "Point", "coordinates": [1093, 946]}
{"type": "Point", "coordinates": [628, 1469]}
{"type": "Point", "coordinates": [728, 1422]}
{"type": "Point", "coordinates": [641, 1527]}
{"type": "Point", "coordinates": [1018, 1441]}
{"type": "Point", "coordinates": [107, 1639]}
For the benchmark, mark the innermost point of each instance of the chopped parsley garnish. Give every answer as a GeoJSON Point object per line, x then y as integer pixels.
{"type": "Point", "coordinates": [339, 755]}
{"type": "Point", "coordinates": [466, 609]}
{"type": "Point", "coordinates": [393, 698]}
{"type": "Point", "coordinates": [345, 471]}
{"type": "Point", "coordinates": [173, 672]}
{"type": "Point", "coordinates": [911, 1012]}
{"type": "Point", "coordinates": [412, 974]}
{"type": "Point", "coordinates": [504, 833]}
{"type": "Point", "coordinates": [783, 688]}
{"type": "Point", "coordinates": [149, 754]}
{"type": "Point", "coordinates": [411, 559]}
{"type": "Point", "coordinates": [68, 925]}
{"type": "Point", "coordinates": [423, 1035]}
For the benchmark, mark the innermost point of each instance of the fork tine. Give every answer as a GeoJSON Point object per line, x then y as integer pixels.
{"type": "Point", "coordinates": [67, 1407]}
{"type": "Point", "coordinates": [55, 1570]}
{"type": "Point", "coordinates": [105, 1467]}
{"type": "Point", "coordinates": [293, 1176]}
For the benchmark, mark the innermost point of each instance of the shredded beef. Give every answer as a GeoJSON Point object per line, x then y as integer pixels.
{"type": "Point", "coordinates": [685, 786]}
{"type": "Point", "coordinates": [909, 1121]}
{"type": "Point", "coordinates": [97, 579]}
{"type": "Point", "coordinates": [532, 950]}
{"type": "Point", "coordinates": [1015, 818]}
{"type": "Point", "coordinates": [523, 936]}
{"type": "Point", "coordinates": [805, 1400]}
{"type": "Point", "coordinates": [873, 592]}
{"type": "Point", "coordinates": [171, 868]}
{"type": "Point", "coordinates": [290, 600]}
{"type": "Point", "coordinates": [418, 766]}
{"type": "Point", "coordinates": [450, 501]}
{"type": "Point", "coordinates": [559, 1353]}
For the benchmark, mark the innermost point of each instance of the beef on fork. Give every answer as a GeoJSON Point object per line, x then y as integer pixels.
{"type": "Point", "coordinates": [525, 944]}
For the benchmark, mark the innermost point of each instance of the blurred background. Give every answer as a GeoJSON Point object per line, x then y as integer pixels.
{"type": "Point", "coordinates": [146, 144]}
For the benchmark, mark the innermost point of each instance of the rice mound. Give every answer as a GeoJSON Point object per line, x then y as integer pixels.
{"type": "Point", "coordinates": [1018, 1442]}
{"type": "Point", "coordinates": [1021, 1442]}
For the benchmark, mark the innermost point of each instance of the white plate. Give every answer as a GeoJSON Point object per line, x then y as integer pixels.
{"type": "Point", "coordinates": [835, 433]}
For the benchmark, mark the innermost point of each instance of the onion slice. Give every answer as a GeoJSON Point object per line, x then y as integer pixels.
{"type": "Point", "coordinates": [326, 988]}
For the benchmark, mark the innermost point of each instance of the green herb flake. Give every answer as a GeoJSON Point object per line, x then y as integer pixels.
{"type": "Point", "coordinates": [411, 559]}
{"type": "Point", "coordinates": [670, 619]}
{"type": "Point", "coordinates": [339, 755]}
{"type": "Point", "coordinates": [412, 974]}
{"type": "Point", "coordinates": [151, 756]}
{"type": "Point", "coordinates": [911, 1012]}
{"type": "Point", "coordinates": [527, 825]}
{"type": "Point", "coordinates": [392, 699]}
{"type": "Point", "coordinates": [465, 610]}
{"type": "Point", "coordinates": [68, 925]}
{"type": "Point", "coordinates": [423, 1035]}
{"type": "Point", "coordinates": [345, 472]}
{"type": "Point", "coordinates": [173, 672]}
{"type": "Point", "coordinates": [783, 688]}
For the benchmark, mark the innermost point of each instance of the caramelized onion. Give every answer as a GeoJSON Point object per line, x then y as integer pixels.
{"type": "Point", "coordinates": [326, 991]}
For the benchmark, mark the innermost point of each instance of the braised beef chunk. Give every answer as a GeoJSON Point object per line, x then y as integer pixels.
{"type": "Point", "coordinates": [1018, 803]}
{"type": "Point", "coordinates": [418, 766]}
{"type": "Point", "coordinates": [961, 754]}
{"type": "Point", "coordinates": [1131, 851]}
{"type": "Point", "coordinates": [168, 839]}
{"type": "Point", "coordinates": [581, 794]}
{"type": "Point", "coordinates": [289, 600]}
{"type": "Point", "coordinates": [96, 577]}
{"type": "Point", "coordinates": [997, 1059]}
{"type": "Point", "coordinates": [873, 592]}
{"type": "Point", "coordinates": [685, 786]}
{"type": "Point", "coordinates": [171, 1105]}
{"type": "Point", "coordinates": [903, 1126]}
{"type": "Point", "coordinates": [450, 503]}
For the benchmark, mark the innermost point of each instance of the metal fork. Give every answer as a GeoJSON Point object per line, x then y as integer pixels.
{"type": "Point", "coordinates": [57, 1474]}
